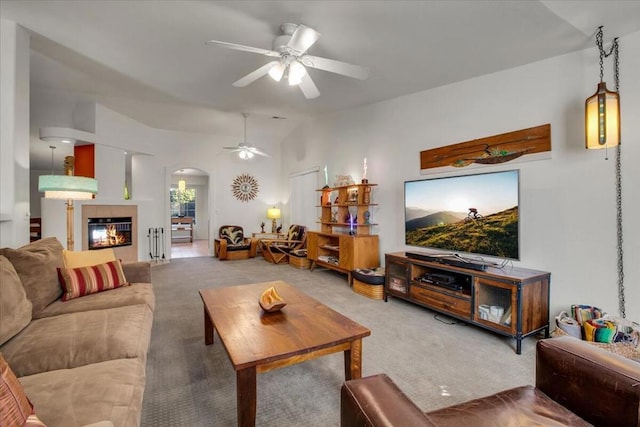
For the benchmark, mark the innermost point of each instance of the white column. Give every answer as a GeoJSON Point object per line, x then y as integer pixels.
{"type": "Point", "coordinates": [14, 134]}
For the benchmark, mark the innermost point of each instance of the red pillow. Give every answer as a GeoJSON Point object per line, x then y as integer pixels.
{"type": "Point", "coordinates": [77, 282]}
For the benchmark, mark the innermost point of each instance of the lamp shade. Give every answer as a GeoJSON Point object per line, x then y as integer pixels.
{"type": "Point", "coordinates": [296, 73]}
{"type": "Point", "coordinates": [67, 187]}
{"type": "Point", "coordinates": [602, 118]}
{"type": "Point", "coordinates": [277, 71]}
{"type": "Point", "coordinates": [273, 213]}
{"type": "Point", "coordinates": [182, 185]}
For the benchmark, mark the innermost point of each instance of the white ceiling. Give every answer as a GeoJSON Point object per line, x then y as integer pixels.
{"type": "Point", "coordinates": [148, 59]}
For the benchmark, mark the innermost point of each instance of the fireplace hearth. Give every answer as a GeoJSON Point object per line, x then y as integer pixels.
{"type": "Point", "coordinates": [109, 232]}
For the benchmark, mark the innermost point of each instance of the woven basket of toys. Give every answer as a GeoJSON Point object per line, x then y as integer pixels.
{"type": "Point", "coordinates": [590, 324]}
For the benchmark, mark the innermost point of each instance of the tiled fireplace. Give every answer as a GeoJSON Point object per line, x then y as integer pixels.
{"type": "Point", "coordinates": [111, 226]}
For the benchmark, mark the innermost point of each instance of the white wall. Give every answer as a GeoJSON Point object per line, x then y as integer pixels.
{"type": "Point", "coordinates": [14, 134]}
{"type": "Point", "coordinates": [567, 202]}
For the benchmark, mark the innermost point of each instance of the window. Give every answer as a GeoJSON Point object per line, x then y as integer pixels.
{"type": "Point", "coordinates": [183, 203]}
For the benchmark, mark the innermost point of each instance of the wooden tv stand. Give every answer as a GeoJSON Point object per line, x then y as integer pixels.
{"type": "Point", "coordinates": [511, 301]}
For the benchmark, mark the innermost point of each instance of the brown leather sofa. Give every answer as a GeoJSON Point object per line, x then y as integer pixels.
{"type": "Point", "coordinates": [576, 384]}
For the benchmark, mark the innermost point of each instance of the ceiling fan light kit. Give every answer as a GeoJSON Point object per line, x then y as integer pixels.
{"type": "Point", "coordinates": [296, 73]}
{"type": "Point", "coordinates": [277, 71]}
{"type": "Point", "coordinates": [291, 48]}
{"type": "Point", "coordinates": [245, 154]}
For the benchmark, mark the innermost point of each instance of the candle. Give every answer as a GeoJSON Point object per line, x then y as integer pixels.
{"type": "Point", "coordinates": [364, 167]}
{"type": "Point", "coordinates": [326, 177]}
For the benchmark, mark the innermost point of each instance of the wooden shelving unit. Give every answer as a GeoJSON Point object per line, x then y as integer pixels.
{"type": "Point", "coordinates": [342, 252]}
{"type": "Point", "coordinates": [345, 241]}
{"type": "Point", "coordinates": [339, 203]}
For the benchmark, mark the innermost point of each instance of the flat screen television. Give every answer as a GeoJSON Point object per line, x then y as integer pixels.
{"type": "Point", "coordinates": [476, 214]}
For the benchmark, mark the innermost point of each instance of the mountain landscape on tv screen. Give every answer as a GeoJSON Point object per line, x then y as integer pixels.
{"type": "Point", "coordinates": [494, 235]}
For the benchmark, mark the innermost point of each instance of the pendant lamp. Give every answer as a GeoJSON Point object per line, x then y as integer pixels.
{"type": "Point", "coordinates": [602, 109]}
{"type": "Point", "coordinates": [67, 187]}
{"type": "Point", "coordinates": [602, 130]}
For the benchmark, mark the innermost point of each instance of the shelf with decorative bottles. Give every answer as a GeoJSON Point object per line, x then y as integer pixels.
{"type": "Point", "coordinates": [346, 207]}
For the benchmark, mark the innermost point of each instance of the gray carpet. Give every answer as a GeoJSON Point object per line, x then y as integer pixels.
{"type": "Point", "coordinates": [435, 363]}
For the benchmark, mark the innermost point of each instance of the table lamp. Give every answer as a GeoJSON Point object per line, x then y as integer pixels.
{"type": "Point", "coordinates": [273, 214]}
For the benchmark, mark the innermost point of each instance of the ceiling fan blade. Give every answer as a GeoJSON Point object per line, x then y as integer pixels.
{"type": "Point", "coordinates": [232, 149]}
{"type": "Point", "coordinates": [333, 66]}
{"type": "Point", "coordinates": [243, 48]}
{"type": "Point", "coordinates": [302, 39]}
{"type": "Point", "coordinates": [256, 150]}
{"type": "Point", "coordinates": [255, 75]}
{"type": "Point", "coordinates": [308, 87]}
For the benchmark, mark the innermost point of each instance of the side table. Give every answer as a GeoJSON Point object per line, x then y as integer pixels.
{"type": "Point", "coordinates": [268, 236]}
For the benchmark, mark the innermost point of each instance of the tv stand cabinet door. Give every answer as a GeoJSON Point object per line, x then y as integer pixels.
{"type": "Point", "coordinates": [492, 295]}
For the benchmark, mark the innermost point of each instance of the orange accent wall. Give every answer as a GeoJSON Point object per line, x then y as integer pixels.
{"type": "Point", "coordinates": [85, 160]}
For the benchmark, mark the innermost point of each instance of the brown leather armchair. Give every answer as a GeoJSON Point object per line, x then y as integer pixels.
{"type": "Point", "coordinates": [577, 384]}
{"type": "Point", "coordinates": [277, 250]}
{"type": "Point", "coordinates": [231, 244]}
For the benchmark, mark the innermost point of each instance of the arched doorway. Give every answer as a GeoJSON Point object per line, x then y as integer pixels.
{"type": "Point", "coordinates": [189, 212]}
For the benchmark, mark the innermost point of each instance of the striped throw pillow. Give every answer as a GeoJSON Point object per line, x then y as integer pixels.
{"type": "Point", "coordinates": [15, 408]}
{"type": "Point", "coordinates": [77, 282]}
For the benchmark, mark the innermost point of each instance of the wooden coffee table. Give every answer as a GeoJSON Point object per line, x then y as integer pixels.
{"type": "Point", "coordinates": [259, 342]}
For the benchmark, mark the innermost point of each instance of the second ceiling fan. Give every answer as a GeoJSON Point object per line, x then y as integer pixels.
{"type": "Point", "coordinates": [244, 150]}
{"type": "Point", "coordinates": [290, 49]}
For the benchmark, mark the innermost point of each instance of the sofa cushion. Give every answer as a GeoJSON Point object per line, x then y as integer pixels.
{"type": "Point", "coordinates": [36, 264]}
{"type": "Point", "coordinates": [137, 293]}
{"type": "Point", "coordinates": [110, 390]}
{"type": "Point", "coordinates": [15, 308]}
{"type": "Point", "coordinates": [77, 339]}
{"type": "Point", "coordinates": [81, 281]}
{"type": "Point", "coordinates": [75, 259]}
{"type": "Point", "coordinates": [519, 406]}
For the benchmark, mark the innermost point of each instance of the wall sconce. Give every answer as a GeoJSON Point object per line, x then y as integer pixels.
{"type": "Point", "coordinates": [602, 109]}
{"type": "Point", "coordinates": [67, 187]}
{"type": "Point", "coordinates": [273, 214]}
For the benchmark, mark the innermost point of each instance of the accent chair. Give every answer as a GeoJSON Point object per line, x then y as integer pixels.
{"type": "Point", "coordinates": [277, 250]}
{"type": "Point", "coordinates": [231, 244]}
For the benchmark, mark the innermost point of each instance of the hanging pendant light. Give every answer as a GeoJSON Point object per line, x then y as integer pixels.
{"type": "Point", "coordinates": [602, 130]}
{"type": "Point", "coordinates": [67, 187]}
{"type": "Point", "coordinates": [602, 109]}
{"type": "Point", "coordinates": [182, 185]}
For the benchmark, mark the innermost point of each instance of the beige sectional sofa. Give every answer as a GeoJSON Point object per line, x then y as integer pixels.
{"type": "Point", "coordinates": [80, 361]}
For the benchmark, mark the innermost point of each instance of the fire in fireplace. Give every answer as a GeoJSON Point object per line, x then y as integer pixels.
{"type": "Point", "coordinates": [109, 232]}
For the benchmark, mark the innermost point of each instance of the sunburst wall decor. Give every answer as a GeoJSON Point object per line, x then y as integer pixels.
{"type": "Point", "coordinates": [244, 187]}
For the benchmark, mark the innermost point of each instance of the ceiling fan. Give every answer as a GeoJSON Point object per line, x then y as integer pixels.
{"type": "Point", "coordinates": [244, 150]}
{"type": "Point", "coordinates": [290, 49]}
